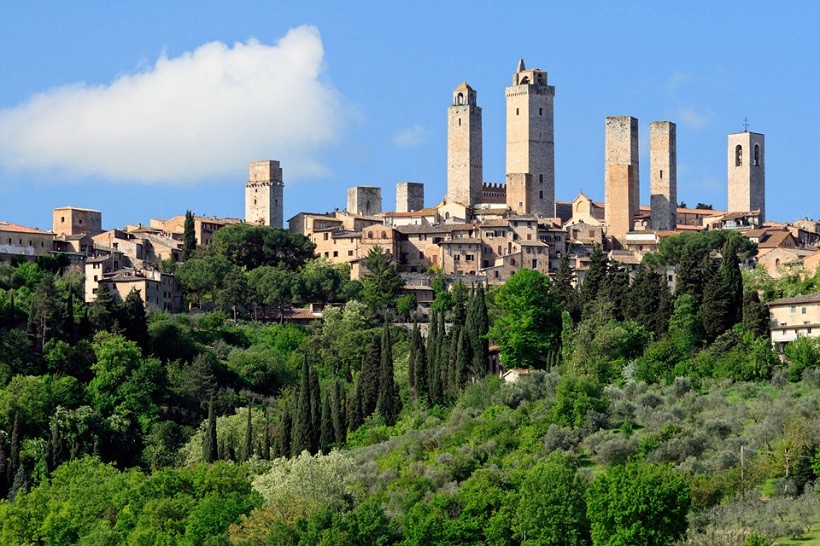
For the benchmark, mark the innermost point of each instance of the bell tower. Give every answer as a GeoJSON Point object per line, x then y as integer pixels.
{"type": "Point", "coordinates": [747, 173]}
{"type": "Point", "coordinates": [530, 138]}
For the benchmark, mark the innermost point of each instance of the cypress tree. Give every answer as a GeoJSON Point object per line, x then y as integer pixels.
{"type": "Point", "coordinates": [188, 236]}
{"type": "Point", "coordinates": [20, 483]}
{"type": "Point", "coordinates": [451, 382]}
{"type": "Point", "coordinates": [434, 362]}
{"type": "Point", "coordinates": [282, 441]}
{"type": "Point", "coordinates": [133, 320]}
{"type": "Point", "coordinates": [230, 451]}
{"type": "Point", "coordinates": [327, 434]}
{"type": "Point", "coordinates": [594, 279]}
{"type": "Point", "coordinates": [755, 315]}
{"type": "Point", "coordinates": [420, 368]}
{"type": "Point", "coordinates": [266, 444]}
{"type": "Point", "coordinates": [69, 328]}
{"type": "Point", "coordinates": [411, 360]}
{"type": "Point", "coordinates": [209, 443]}
{"type": "Point", "coordinates": [478, 326]}
{"type": "Point", "coordinates": [14, 458]}
{"type": "Point", "coordinates": [463, 359]}
{"type": "Point", "coordinates": [247, 445]}
{"type": "Point", "coordinates": [715, 311]}
{"type": "Point", "coordinates": [355, 415]}
{"type": "Point", "coordinates": [315, 410]}
{"type": "Point", "coordinates": [732, 281]}
{"type": "Point", "coordinates": [301, 436]}
{"type": "Point", "coordinates": [389, 401]}
{"type": "Point", "coordinates": [616, 288]}
{"type": "Point", "coordinates": [369, 378]}
{"type": "Point", "coordinates": [12, 309]}
{"type": "Point", "coordinates": [564, 286]}
{"type": "Point", "coordinates": [690, 274]}
{"type": "Point", "coordinates": [339, 413]}
{"type": "Point", "coordinates": [3, 469]}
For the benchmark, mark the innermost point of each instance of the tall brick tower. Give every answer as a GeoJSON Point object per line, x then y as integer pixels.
{"type": "Point", "coordinates": [663, 175]}
{"type": "Point", "coordinates": [465, 169]}
{"type": "Point", "coordinates": [530, 136]}
{"type": "Point", "coordinates": [263, 194]}
{"type": "Point", "coordinates": [621, 175]}
{"type": "Point", "coordinates": [747, 173]}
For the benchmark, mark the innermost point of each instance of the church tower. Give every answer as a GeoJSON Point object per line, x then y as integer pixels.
{"type": "Point", "coordinates": [747, 173]}
{"type": "Point", "coordinates": [263, 194]}
{"type": "Point", "coordinates": [465, 170]}
{"type": "Point", "coordinates": [530, 140]}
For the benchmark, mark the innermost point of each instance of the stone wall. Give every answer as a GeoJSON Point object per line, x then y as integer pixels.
{"type": "Point", "coordinates": [364, 200]}
{"type": "Point", "coordinates": [409, 196]}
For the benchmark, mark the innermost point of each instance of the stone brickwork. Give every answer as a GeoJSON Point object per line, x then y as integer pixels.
{"type": "Point", "coordinates": [465, 168]}
{"type": "Point", "coordinates": [76, 221]}
{"type": "Point", "coordinates": [747, 173]}
{"type": "Point", "coordinates": [621, 175]}
{"type": "Point", "coordinates": [663, 177]}
{"type": "Point", "coordinates": [519, 193]}
{"type": "Point", "coordinates": [409, 196]}
{"type": "Point", "coordinates": [263, 194]}
{"type": "Point", "coordinates": [530, 135]}
{"type": "Point", "coordinates": [364, 200]}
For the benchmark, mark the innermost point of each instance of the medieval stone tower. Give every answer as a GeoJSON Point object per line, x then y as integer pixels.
{"type": "Point", "coordinates": [465, 170]}
{"type": "Point", "coordinates": [747, 173]}
{"type": "Point", "coordinates": [663, 175]}
{"type": "Point", "coordinates": [621, 175]}
{"type": "Point", "coordinates": [409, 196]}
{"type": "Point", "coordinates": [530, 138]}
{"type": "Point", "coordinates": [263, 194]}
{"type": "Point", "coordinates": [364, 200]}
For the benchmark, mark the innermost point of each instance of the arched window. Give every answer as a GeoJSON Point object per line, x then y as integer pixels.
{"type": "Point", "coordinates": [460, 98]}
{"type": "Point", "coordinates": [384, 235]}
{"type": "Point", "coordinates": [369, 234]}
{"type": "Point", "coordinates": [540, 194]}
{"type": "Point", "coordinates": [756, 156]}
{"type": "Point", "coordinates": [738, 155]}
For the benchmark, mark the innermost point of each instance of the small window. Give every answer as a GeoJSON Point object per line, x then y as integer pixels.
{"type": "Point", "coordinates": [803, 311]}
{"type": "Point", "coordinates": [540, 111]}
{"type": "Point", "coordinates": [350, 253]}
{"type": "Point", "coordinates": [661, 175]}
{"type": "Point", "coordinates": [62, 219]}
{"type": "Point", "coordinates": [459, 122]}
{"type": "Point", "coordinates": [80, 222]}
{"type": "Point", "coordinates": [516, 111]}
{"type": "Point", "coordinates": [421, 255]}
{"type": "Point", "coordinates": [335, 253]}
{"type": "Point", "coordinates": [540, 178]}
{"type": "Point", "coordinates": [793, 309]}
{"type": "Point", "coordinates": [756, 156]}
{"type": "Point", "coordinates": [738, 155]}
{"type": "Point", "coordinates": [540, 194]}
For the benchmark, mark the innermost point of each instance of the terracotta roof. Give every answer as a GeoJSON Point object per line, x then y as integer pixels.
{"type": "Point", "coordinates": [462, 240]}
{"type": "Point", "coordinates": [795, 300]}
{"type": "Point", "coordinates": [15, 228]}
{"type": "Point", "coordinates": [739, 215]}
{"type": "Point", "coordinates": [775, 239]}
{"type": "Point", "coordinates": [439, 228]}
{"type": "Point", "coordinates": [494, 223]}
{"type": "Point", "coordinates": [430, 211]}
{"type": "Point", "coordinates": [706, 212]}
{"type": "Point", "coordinates": [532, 243]}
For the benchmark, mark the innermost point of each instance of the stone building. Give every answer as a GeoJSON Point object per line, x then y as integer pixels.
{"type": "Point", "coordinates": [364, 200]}
{"type": "Point", "coordinates": [264, 194]}
{"type": "Point", "coordinates": [465, 169]}
{"type": "Point", "coordinates": [16, 240]}
{"type": "Point", "coordinates": [747, 173]}
{"type": "Point", "coordinates": [519, 193]}
{"type": "Point", "coordinates": [530, 136]}
{"type": "Point", "coordinates": [409, 196]}
{"type": "Point", "coordinates": [663, 174]}
{"type": "Point", "coordinates": [76, 221]}
{"type": "Point", "coordinates": [204, 227]}
{"type": "Point", "coordinates": [621, 176]}
{"type": "Point", "coordinates": [793, 317]}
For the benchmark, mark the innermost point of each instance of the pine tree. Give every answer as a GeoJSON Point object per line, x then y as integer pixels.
{"type": "Point", "coordinates": [247, 445]}
{"type": "Point", "coordinates": [188, 236]}
{"type": "Point", "coordinates": [564, 286]}
{"type": "Point", "coordinates": [326, 435]}
{"type": "Point", "coordinates": [594, 279]}
{"type": "Point", "coordinates": [755, 315]}
{"type": "Point", "coordinates": [103, 311]}
{"type": "Point", "coordinates": [389, 401]}
{"type": "Point", "coordinates": [732, 280]}
{"type": "Point", "coordinates": [339, 413]}
{"type": "Point", "coordinates": [44, 311]}
{"type": "Point", "coordinates": [302, 421]}
{"type": "Point", "coordinates": [209, 442]}
{"type": "Point", "coordinates": [690, 274]}
{"type": "Point", "coordinates": [420, 368]}
{"type": "Point", "coordinates": [315, 410]}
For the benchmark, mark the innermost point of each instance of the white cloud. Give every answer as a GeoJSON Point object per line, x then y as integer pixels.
{"type": "Point", "coordinates": [677, 79]}
{"type": "Point", "coordinates": [202, 115]}
{"type": "Point", "coordinates": [410, 137]}
{"type": "Point", "coordinates": [693, 118]}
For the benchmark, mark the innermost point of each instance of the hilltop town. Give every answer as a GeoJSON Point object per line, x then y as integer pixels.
{"type": "Point", "coordinates": [481, 230]}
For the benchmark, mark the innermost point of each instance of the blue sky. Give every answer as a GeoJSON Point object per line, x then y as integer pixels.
{"type": "Point", "coordinates": [145, 109]}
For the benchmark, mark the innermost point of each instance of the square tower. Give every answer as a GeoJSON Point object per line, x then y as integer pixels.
{"type": "Point", "coordinates": [364, 200]}
{"type": "Point", "coordinates": [409, 196]}
{"type": "Point", "coordinates": [530, 139]}
{"type": "Point", "coordinates": [663, 175]}
{"type": "Point", "coordinates": [621, 175]}
{"type": "Point", "coordinates": [519, 192]}
{"type": "Point", "coordinates": [263, 194]}
{"type": "Point", "coordinates": [747, 173]}
{"type": "Point", "coordinates": [76, 221]}
{"type": "Point", "coordinates": [465, 167]}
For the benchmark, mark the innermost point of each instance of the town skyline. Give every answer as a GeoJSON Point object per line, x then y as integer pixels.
{"type": "Point", "coordinates": [696, 77]}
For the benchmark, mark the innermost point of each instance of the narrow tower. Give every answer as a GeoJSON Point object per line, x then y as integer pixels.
{"type": "Point", "coordinates": [465, 171]}
{"type": "Point", "coordinates": [663, 178]}
{"type": "Point", "coordinates": [409, 196]}
{"type": "Point", "coordinates": [263, 194]}
{"type": "Point", "coordinates": [747, 173]}
{"type": "Point", "coordinates": [621, 175]}
{"type": "Point", "coordinates": [530, 140]}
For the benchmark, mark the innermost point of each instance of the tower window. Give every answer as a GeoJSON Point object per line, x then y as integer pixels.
{"type": "Point", "coordinates": [540, 178]}
{"type": "Point", "coordinates": [460, 98]}
{"type": "Point", "coordinates": [540, 194]}
{"type": "Point", "coordinates": [757, 156]}
{"type": "Point", "coordinates": [516, 111]}
{"type": "Point", "coordinates": [540, 111]}
{"type": "Point", "coordinates": [738, 155]}
{"type": "Point", "coordinates": [661, 175]}
{"type": "Point", "coordinates": [459, 122]}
